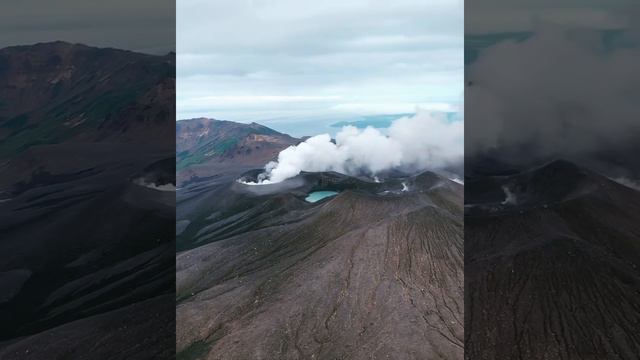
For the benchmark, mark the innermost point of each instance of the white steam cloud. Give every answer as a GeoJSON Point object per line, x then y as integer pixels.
{"type": "Point", "coordinates": [560, 91]}
{"type": "Point", "coordinates": [634, 184]}
{"type": "Point", "coordinates": [427, 140]}
{"type": "Point", "coordinates": [510, 197]}
{"type": "Point", "coordinates": [153, 185]}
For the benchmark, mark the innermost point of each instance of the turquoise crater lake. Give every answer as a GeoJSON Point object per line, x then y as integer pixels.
{"type": "Point", "coordinates": [319, 195]}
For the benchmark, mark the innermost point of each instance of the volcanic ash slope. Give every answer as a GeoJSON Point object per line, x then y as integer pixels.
{"type": "Point", "coordinates": [356, 276]}
{"type": "Point", "coordinates": [553, 275]}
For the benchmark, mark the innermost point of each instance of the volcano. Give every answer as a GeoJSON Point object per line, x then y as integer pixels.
{"type": "Point", "coordinates": [554, 272]}
{"type": "Point", "coordinates": [206, 147]}
{"type": "Point", "coordinates": [88, 247]}
{"type": "Point", "coordinates": [373, 271]}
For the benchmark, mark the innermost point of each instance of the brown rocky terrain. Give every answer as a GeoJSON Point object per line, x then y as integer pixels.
{"type": "Point", "coordinates": [373, 272]}
{"type": "Point", "coordinates": [54, 92]}
{"type": "Point", "coordinates": [209, 146]}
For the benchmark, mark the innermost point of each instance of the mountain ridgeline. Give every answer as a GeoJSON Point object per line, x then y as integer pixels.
{"type": "Point", "coordinates": [56, 92]}
{"type": "Point", "coordinates": [209, 146]}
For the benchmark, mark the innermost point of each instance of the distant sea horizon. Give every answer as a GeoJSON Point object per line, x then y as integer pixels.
{"type": "Point", "coordinates": [300, 127]}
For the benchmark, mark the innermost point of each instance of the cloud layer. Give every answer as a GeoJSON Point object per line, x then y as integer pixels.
{"type": "Point", "coordinates": [495, 16]}
{"type": "Point", "coordinates": [558, 93]}
{"type": "Point", "coordinates": [139, 25]}
{"type": "Point", "coordinates": [316, 57]}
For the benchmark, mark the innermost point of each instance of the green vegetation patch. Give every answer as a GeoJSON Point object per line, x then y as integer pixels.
{"type": "Point", "coordinates": [16, 122]}
{"type": "Point", "coordinates": [215, 148]}
{"type": "Point", "coordinates": [196, 350]}
{"type": "Point", "coordinates": [201, 348]}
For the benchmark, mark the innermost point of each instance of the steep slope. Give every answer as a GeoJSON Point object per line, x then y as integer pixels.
{"type": "Point", "coordinates": [87, 148]}
{"type": "Point", "coordinates": [134, 332]}
{"type": "Point", "coordinates": [552, 270]}
{"type": "Point", "coordinates": [55, 92]}
{"type": "Point", "coordinates": [374, 272]}
{"type": "Point", "coordinates": [207, 146]}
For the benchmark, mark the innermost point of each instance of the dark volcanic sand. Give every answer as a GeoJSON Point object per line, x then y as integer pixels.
{"type": "Point", "coordinates": [557, 274]}
{"type": "Point", "coordinates": [356, 276]}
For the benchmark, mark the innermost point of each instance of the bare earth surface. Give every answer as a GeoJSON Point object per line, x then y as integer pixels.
{"type": "Point", "coordinates": [554, 274]}
{"type": "Point", "coordinates": [87, 237]}
{"type": "Point", "coordinates": [362, 275]}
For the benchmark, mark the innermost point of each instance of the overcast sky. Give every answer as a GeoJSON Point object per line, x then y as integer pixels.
{"type": "Point", "coordinates": [253, 60]}
{"type": "Point", "coordinates": [140, 25]}
{"type": "Point", "coordinates": [491, 16]}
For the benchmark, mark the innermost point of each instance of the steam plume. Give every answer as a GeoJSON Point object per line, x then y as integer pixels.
{"type": "Point", "coordinates": [425, 140]}
{"type": "Point", "coordinates": [560, 92]}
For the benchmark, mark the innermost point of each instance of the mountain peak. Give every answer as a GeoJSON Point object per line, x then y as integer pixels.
{"type": "Point", "coordinates": [203, 140]}
{"type": "Point", "coordinates": [59, 90]}
{"type": "Point", "coordinates": [561, 165]}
